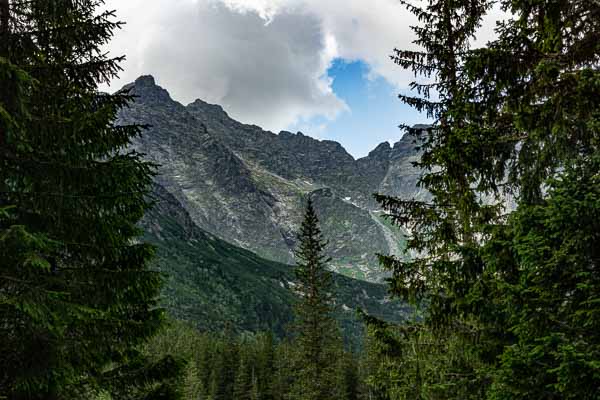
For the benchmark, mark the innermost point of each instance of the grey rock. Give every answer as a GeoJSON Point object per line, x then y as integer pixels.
{"type": "Point", "coordinates": [249, 186]}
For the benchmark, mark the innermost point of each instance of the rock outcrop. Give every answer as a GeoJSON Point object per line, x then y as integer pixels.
{"type": "Point", "coordinates": [248, 186]}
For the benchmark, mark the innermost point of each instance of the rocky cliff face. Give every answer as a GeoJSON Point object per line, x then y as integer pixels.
{"type": "Point", "coordinates": [248, 186]}
{"type": "Point", "coordinates": [216, 286]}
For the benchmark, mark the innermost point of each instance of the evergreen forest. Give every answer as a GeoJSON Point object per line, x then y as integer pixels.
{"type": "Point", "coordinates": [499, 279]}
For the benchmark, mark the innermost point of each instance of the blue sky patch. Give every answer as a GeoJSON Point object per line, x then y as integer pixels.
{"type": "Point", "coordinates": [374, 110]}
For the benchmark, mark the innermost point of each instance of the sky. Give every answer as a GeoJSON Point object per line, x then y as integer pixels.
{"type": "Point", "coordinates": [317, 66]}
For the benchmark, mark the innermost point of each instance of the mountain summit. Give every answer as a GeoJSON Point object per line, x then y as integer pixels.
{"type": "Point", "coordinates": [248, 186]}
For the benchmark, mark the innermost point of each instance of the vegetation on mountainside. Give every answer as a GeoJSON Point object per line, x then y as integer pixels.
{"type": "Point", "coordinates": [215, 285]}
{"type": "Point", "coordinates": [506, 302]}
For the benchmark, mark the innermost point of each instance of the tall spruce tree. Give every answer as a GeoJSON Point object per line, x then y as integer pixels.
{"type": "Point", "coordinates": [444, 228]}
{"type": "Point", "coordinates": [517, 119]}
{"type": "Point", "coordinates": [543, 261]}
{"type": "Point", "coordinates": [553, 307]}
{"type": "Point", "coordinates": [317, 335]}
{"type": "Point", "coordinates": [76, 295]}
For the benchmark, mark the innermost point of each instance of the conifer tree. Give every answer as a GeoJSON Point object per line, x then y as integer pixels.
{"type": "Point", "coordinates": [444, 228]}
{"type": "Point", "coordinates": [266, 366]}
{"type": "Point", "coordinates": [76, 294]}
{"type": "Point", "coordinates": [316, 330]}
{"type": "Point", "coordinates": [347, 379]}
{"type": "Point", "coordinates": [244, 378]}
{"type": "Point", "coordinates": [554, 306]}
{"type": "Point", "coordinates": [283, 374]}
{"type": "Point", "coordinates": [512, 118]}
{"type": "Point", "coordinates": [546, 108]}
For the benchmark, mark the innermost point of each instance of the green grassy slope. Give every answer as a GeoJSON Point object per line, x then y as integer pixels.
{"type": "Point", "coordinates": [216, 285]}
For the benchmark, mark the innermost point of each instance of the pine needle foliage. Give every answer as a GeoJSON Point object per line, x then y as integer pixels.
{"type": "Point", "coordinates": [317, 335]}
{"type": "Point", "coordinates": [76, 295]}
{"type": "Point", "coordinates": [444, 228]}
{"type": "Point", "coordinates": [515, 127]}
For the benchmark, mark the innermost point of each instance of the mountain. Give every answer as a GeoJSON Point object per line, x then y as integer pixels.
{"type": "Point", "coordinates": [217, 286]}
{"type": "Point", "coordinates": [248, 186]}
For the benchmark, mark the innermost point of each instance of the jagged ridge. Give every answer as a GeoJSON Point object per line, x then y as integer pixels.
{"type": "Point", "coordinates": [248, 186]}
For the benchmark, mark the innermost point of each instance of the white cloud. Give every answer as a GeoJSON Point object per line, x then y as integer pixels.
{"type": "Point", "coordinates": [270, 74]}
{"type": "Point", "coordinates": [266, 9]}
{"type": "Point", "coordinates": [265, 61]}
{"type": "Point", "coordinates": [360, 29]}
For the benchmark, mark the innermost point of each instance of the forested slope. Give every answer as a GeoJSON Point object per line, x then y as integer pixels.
{"type": "Point", "coordinates": [216, 285]}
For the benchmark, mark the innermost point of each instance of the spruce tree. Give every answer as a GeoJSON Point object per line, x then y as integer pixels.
{"type": "Point", "coordinates": [543, 258]}
{"type": "Point", "coordinates": [244, 378]}
{"type": "Point", "coordinates": [515, 120]}
{"type": "Point", "coordinates": [554, 305]}
{"type": "Point", "coordinates": [316, 329]}
{"type": "Point", "coordinates": [76, 294]}
{"type": "Point", "coordinates": [283, 371]}
{"type": "Point", "coordinates": [445, 227]}
{"type": "Point", "coordinates": [224, 367]}
{"type": "Point", "coordinates": [266, 366]}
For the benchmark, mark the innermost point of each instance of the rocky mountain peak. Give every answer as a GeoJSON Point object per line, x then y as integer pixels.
{"type": "Point", "coordinates": [286, 134]}
{"type": "Point", "coordinates": [381, 152]}
{"type": "Point", "coordinates": [206, 110]}
{"type": "Point", "coordinates": [148, 92]}
{"type": "Point", "coordinates": [145, 80]}
{"type": "Point", "coordinates": [248, 186]}
{"type": "Point", "coordinates": [407, 145]}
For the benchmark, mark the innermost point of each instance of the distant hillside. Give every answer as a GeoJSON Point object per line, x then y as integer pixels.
{"type": "Point", "coordinates": [248, 186]}
{"type": "Point", "coordinates": [217, 286]}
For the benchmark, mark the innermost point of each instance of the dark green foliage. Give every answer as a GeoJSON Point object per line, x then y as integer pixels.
{"type": "Point", "coordinates": [223, 369]}
{"type": "Point", "coordinates": [75, 294]}
{"type": "Point", "coordinates": [348, 382]}
{"type": "Point", "coordinates": [411, 362]}
{"type": "Point", "coordinates": [516, 126]}
{"type": "Point", "coordinates": [317, 336]}
{"type": "Point", "coordinates": [254, 367]}
{"type": "Point", "coordinates": [145, 377]}
{"type": "Point", "coordinates": [222, 366]}
{"type": "Point", "coordinates": [554, 305]}
{"type": "Point", "coordinates": [244, 380]}
{"type": "Point", "coordinates": [213, 284]}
